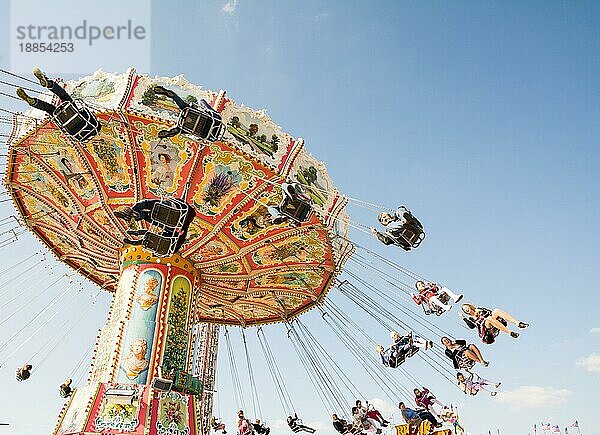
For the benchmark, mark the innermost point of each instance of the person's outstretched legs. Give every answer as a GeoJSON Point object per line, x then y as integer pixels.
{"type": "Point", "coordinates": [456, 298]}
{"type": "Point", "coordinates": [181, 103]}
{"type": "Point", "coordinates": [426, 415]}
{"type": "Point", "coordinates": [494, 322]}
{"type": "Point", "coordinates": [504, 315]}
{"type": "Point", "coordinates": [36, 103]}
{"type": "Point", "coordinates": [54, 87]}
{"type": "Point", "coordinates": [474, 354]}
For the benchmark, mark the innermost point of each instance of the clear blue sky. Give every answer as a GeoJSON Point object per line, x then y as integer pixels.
{"type": "Point", "coordinates": [482, 117]}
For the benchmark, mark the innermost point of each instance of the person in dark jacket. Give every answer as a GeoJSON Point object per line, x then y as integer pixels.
{"type": "Point", "coordinates": [396, 224]}
{"type": "Point", "coordinates": [463, 355]}
{"type": "Point", "coordinates": [142, 211]}
{"type": "Point", "coordinates": [341, 425]}
{"type": "Point", "coordinates": [23, 373]}
{"type": "Point", "coordinates": [261, 427]}
{"type": "Point", "coordinates": [65, 389]}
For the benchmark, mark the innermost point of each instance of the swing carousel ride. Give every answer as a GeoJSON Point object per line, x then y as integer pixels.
{"type": "Point", "coordinates": [201, 215]}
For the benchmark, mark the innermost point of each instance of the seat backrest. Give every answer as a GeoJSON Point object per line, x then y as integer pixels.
{"type": "Point", "coordinates": [413, 235]}
{"type": "Point", "coordinates": [200, 121]}
{"type": "Point", "coordinates": [75, 121]}
{"type": "Point", "coordinates": [65, 112]}
{"type": "Point", "coordinates": [296, 209]}
{"type": "Point", "coordinates": [167, 215]}
{"type": "Point", "coordinates": [161, 246]}
{"type": "Point", "coordinates": [196, 123]}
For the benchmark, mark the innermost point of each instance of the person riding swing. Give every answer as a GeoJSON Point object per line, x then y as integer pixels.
{"type": "Point", "coordinates": [402, 229]}
{"type": "Point", "coordinates": [169, 221]}
{"type": "Point", "coordinates": [200, 120]}
{"type": "Point", "coordinates": [73, 119]}
{"type": "Point", "coordinates": [23, 373]}
{"type": "Point", "coordinates": [434, 298]}
{"type": "Point", "coordinates": [295, 205]}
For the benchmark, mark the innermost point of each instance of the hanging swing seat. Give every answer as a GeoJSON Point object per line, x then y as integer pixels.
{"type": "Point", "coordinates": [295, 204]}
{"type": "Point", "coordinates": [201, 121]}
{"type": "Point", "coordinates": [408, 237]}
{"type": "Point", "coordinates": [22, 375]}
{"type": "Point", "coordinates": [297, 210]}
{"type": "Point", "coordinates": [170, 219]}
{"type": "Point", "coordinates": [76, 121]}
{"type": "Point", "coordinates": [64, 392]}
{"type": "Point", "coordinates": [429, 308]}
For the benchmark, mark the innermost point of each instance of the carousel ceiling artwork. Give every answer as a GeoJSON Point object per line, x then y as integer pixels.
{"type": "Point", "coordinates": [253, 270]}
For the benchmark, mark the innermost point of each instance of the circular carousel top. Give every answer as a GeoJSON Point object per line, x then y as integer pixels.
{"type": "Point", "coordinates": [253, 271]}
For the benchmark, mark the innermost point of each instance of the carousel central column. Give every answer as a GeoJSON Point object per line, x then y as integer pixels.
{"type": "Point", "coordinates": [147, 336]}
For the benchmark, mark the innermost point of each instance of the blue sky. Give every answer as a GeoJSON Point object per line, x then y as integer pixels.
{"type": "Point", "coordinates": [481, 117]}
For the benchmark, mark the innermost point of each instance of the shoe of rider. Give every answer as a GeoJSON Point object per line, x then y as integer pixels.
{"type": "Point", "coordinates": [44, 81]}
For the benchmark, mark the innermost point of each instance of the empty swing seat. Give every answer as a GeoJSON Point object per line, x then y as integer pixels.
{"type": "Point", "coordinates": [201, 121]}
{"type": "Point", "coordinates": [76, 121]}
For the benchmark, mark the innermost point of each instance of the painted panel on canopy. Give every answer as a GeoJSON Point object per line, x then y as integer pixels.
{"type": "Point", "coordinates": [35, 208]}
{"type": "Point", "coordinates": [176, 342]}
{"type": "Point", "coordinates": [312, 173]}
{"type": "Point", "coordinates": [141, 328]}
{"type": "Point", "coordinates": [109, 153]}
{"type": "Point", "coordinates": [69, 244]}
{"type": "Point", "coordinates": [225, 285]}
{"type": "Point", "coordinates": [283, 278]}
{"type": "Point", "coordinates": [51, 145]}
{"type": "Point", "coordinates": [256, 134]}
{"type": "Point", "coordinates": [101, 217]}
{"type": "Point", "coordinates": [165, 163]}
{"type": "Point", "coordinates": [226, 174]}
{"type": "Point", "coordinates": [65, 234]}
{"type": "Point", "coordinates": [104, 88]}
{"type": "Point", "coordinates": [254, 220]}
{"type": "Point", "coordinates": [218, 247]}
{"type": "Point", "coordinates": [144, 100]}
{"type": "Point", "coordinates": [33, 177]}
{"type": "Point", "coordinates": [229, 268]}
{"type": "Point", "coordinates": [109, 240]}
{"type": "Point", "coordinates": [301, 248]}
{"type": "Point", "coordinates": [197, 231]}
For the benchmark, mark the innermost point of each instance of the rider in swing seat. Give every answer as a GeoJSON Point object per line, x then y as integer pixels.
{"type": "Point", "coordinates": [74, 120]}
{"type": "Point", "coordinates": [202, 121]}
{"type": "Point", "coordinates": [435, 297]}
{"type": "Point", "coordinates": [172, 217]}
{"type": "Point", "coordinates": [23, 373]}
{"type": "Point", "coordinates": [65, 389]}
{"type": "Point", "coordinates": [296, 425]}
{"type": "Point", "coordinates": [402, 229]}
{"type": "Point", "coordinates": [295, 205]}
{"type": "Point", "coordinates": [490, 322]}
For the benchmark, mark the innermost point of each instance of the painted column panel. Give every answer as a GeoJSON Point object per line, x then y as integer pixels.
{"type": "Point", "coordinates": [138, 341]}
{"type": "Point", "coordinates": [178, 329]}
